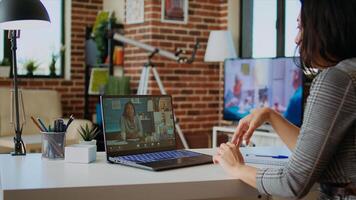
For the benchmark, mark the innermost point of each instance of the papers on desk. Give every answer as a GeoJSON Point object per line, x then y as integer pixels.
{"type": "Point", "coordinates": [269, 157]}
{"type": "Point", "coordinates": [269, 161]}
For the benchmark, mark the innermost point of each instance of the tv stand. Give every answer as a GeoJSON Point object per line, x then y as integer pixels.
{"type": "Point", "coordinates": [264, 136]}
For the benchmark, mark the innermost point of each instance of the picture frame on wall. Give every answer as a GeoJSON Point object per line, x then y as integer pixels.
{"type": "Point", "coordinates": [135, 11]}
{"type": "Point", "coordinates": [174, 11]}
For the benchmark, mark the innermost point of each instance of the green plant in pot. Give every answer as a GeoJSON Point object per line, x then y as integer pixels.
{"type": "Point", "coordinates": [88, 134]}
{"type": "Point", "coordinates": [5, 68]}
{"type": "Point", "coordinates": [31, 66]}
{"type": "Point", "coordinates": [52, 66]}
{"type": "Point", "coordinates": [54, 58]}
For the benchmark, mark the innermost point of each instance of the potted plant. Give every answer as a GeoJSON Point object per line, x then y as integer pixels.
{"type": "Point", "coordinates": [85, 151]}
{"type": "Point", "coordinates": [5, 68]}
{"type": "Point", "coordinates": [52, 66]}
{"type": "Point", "coordinates": [31, 66]}
{"type": "Point", "coordinates": [88, 134]}
{"type": "Point", "coordinates": [54, 58]}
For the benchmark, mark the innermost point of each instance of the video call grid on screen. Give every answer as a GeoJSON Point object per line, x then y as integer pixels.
{"type": "Point", "coordinates": [147, 123]}
{"type": "Point", "coordinates": [255, 83]}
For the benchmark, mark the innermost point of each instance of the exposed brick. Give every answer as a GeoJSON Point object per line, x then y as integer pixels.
{"type": "Point", "coordinates": [83, 14]}
{"type": "Point", "coordinates": [195, 87]}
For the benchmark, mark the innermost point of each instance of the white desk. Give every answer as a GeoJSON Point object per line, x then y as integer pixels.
{"type": "Point", "coordinates": [30, 177]}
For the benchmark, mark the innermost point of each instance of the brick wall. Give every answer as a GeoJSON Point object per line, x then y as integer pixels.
{"type": "Point", "coordinates": [72, 91]}
{"type": "Point", "coordinates": [195, 87]}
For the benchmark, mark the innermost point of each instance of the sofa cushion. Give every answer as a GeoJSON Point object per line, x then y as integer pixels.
{"type": "Point", "coordinates": [45, 104]}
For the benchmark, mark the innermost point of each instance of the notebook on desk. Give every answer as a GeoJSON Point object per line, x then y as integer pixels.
{"type": "Point", "coordinates": [272, 157]}
{"type": "Point", "coordinates": [139, 131]}
{"type": "Point", "coordinates": [269, 161]}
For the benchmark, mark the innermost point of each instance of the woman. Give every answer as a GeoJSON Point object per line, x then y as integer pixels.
{"type": "Point", "coordinates": [324, 148]}
{"type": "Point", "coordinates": [131, 127]}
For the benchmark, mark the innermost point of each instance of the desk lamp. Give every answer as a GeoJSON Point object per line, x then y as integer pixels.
{"type": "Point", "coordinates": [220, 47]}
{"type": "Point", "coordinates": [16, 15]}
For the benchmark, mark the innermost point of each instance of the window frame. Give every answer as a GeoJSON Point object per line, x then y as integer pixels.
{"type": "Point", "coordinates": [7, 51]}
{"type": "Point", "coordinates": [246, 28]}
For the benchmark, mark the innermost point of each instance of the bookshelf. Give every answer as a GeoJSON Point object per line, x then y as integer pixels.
{"type": "Point", "coordinates": [91, 62]}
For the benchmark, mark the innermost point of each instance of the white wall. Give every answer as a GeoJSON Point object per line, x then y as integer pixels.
{"type": "Point", "coordinates": [116, 5]}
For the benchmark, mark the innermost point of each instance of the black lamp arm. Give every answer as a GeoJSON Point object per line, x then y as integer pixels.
{"type": "Point", "coordinates": [19, 145]}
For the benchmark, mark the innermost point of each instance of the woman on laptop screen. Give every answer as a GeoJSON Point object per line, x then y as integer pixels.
{"type": "Point", "coordinates": [131, 127]}
{"type": "Point", "coordinates": [323, 148]}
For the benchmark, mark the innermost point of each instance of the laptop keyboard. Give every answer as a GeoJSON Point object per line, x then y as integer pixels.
{"type": "Point", "coordinates": [156, 156]}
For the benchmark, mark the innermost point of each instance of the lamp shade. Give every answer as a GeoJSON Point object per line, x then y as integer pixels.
{"type": "Point", "coordinates": [220, 46]}
{"type": "Point", "coordinates": [22, 14]}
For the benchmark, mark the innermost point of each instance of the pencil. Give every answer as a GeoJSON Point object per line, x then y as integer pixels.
{"type": "Point", "coordinates": [35, 122]}
{"type": "Point", "coordinates": [42, 124]}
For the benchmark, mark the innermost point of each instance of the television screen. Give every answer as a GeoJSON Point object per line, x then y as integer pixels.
{"type": "Point", "coordinates": [257, 83]}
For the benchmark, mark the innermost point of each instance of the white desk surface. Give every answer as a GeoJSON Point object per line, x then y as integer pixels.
{"type": "Point", "coordinates": [31, 177]}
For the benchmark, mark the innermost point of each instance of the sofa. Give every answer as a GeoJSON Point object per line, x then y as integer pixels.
{"type": "Point", "coordinates": [45, 104]}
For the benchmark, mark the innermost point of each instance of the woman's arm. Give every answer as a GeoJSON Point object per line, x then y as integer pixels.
{"type": "Point", "coordinates": [286, 130]}
{"type": "Point", "coordinates": [230, 158]}
{"type": "Point", "coordinates": [329, 114]}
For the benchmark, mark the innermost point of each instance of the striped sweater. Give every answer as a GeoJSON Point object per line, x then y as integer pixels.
{"type": "Point", "coordinates": [326, 147]}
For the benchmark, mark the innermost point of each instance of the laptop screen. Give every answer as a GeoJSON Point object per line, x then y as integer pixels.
{"type": "Point", "coordinates": [138, 123]}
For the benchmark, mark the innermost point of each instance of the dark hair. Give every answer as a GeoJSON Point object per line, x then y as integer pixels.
{"type": "Point", "coordinates": [126, 106]}
{"type": "Point", "coordinates": [329, 32]}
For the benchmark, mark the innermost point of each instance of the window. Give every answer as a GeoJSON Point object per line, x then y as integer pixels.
{"type": "Point", "coordinates": [1, 44]}
{"type": "Point", "coordinates": [268, 28]}
{"type": "Point", "coordinates": [292, 11]}
{"type": "Point", "coordinates": [264, 38]}
{"type": "Point", "coordinates": [41, 44]}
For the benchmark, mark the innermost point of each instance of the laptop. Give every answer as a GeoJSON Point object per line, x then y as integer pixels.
{"type": "Point", "coordinates": [139, 131]}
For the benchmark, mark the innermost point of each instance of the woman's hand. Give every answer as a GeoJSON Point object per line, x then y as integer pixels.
{"type": "Point", "coordinates": [230, 159]}
{"type": "Point", "coordinates": [248, 125]}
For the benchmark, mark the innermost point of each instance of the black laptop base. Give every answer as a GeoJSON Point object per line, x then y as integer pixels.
{"type": "Point", "coordinates": [170, 164]}
{"type": "Point", "coordinates": [179, 162]}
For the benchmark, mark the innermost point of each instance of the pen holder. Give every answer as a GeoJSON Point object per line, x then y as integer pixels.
{"type": "Point", "coordinates": [53, 145]}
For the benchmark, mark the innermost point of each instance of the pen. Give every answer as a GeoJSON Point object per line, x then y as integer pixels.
{"type": "Point", "coordinates": [269, 156]}
{"type": "Point", "coordinates": [42, 124]}
{"type": "Point", "coordinates": [36, 123]}
{"type": "Point", "coordinates": [59, 125]}
{"type": "Point", "coordinates": [55, 127]}
{"type": "Point", "coordinates": [71, 118]}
